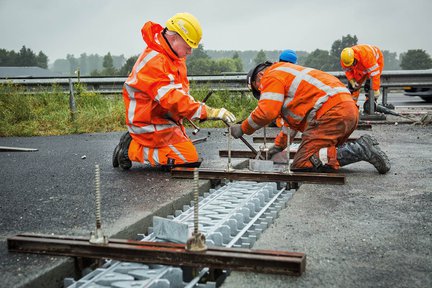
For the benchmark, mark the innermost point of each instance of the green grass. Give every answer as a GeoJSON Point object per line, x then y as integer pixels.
{"type": "Point", "coordinates": [46, 111]}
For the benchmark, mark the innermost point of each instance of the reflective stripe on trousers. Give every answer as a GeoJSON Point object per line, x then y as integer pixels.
{"type": "Point", "coordinates": [184, 152]}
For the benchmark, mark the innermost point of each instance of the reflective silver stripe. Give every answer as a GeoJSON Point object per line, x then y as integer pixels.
{"type": "Point", "coordinates": [149, 128]}
{"type": "Point", "coordinates": [132, 103]}
{"type": "Point", "coordinates": [323, 99]}
{"type": "Point", "coordinates": [162, 91]}
{"type": "Point", "coordinates": [372, 68]}
{"type": "Point", "coordinates": [143, 62]}
{"type": "Point", "coordinates": [288, 113]}
{"type": "Point", "coordinates": [375, 73]}
{"type": "Point", "coordinates": [178, 153]}
{"type": "Point", "coordinates": [375, 51]}
{"type": "Point", "coordinates": [156, 155]}
{"type": "Point", "coordinates": [299, 76]}
{"type": "Point", "coordinates": [254, 125]}
{"type": "Point", "coordinates": [285, 130]}
{"type": "Point", "coordinates": [323, 156]}
{"type": "Point", "coordinates": [197, 113]}
{"type": "Point", "coordinates": [272, 96]}
{"type": "Point", "coordinates": [145, 153]}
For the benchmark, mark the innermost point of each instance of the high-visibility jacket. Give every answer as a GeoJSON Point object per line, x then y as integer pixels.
{"type": "Point", "coordinates": [370, 64]}
{"type": "Point", "coordinates": [156, 93]}
{"type": "Point", "coordinates": [299, 94]}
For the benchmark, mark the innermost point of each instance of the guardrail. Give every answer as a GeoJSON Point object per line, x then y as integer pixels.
{"type": "Point", "coordinates": [233, 82]}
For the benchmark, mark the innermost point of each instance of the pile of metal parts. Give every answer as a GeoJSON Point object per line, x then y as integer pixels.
{"type": "Point", "coordinates": [234, 215]}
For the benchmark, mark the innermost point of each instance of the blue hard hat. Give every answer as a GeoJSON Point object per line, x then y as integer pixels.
{"type": "Point", "coordinates": [288, 56]}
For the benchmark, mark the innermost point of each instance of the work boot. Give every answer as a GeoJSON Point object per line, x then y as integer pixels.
{"type": "Point", "coordinates": [364, 149]}
{"type": "Point", "coordinates": [120, 154]}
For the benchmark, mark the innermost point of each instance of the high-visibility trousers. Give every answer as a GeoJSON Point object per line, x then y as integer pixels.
{"type": "Point", "coordinates": [323, 135]}
{"type": "Point", "coordinates": [184, 152]}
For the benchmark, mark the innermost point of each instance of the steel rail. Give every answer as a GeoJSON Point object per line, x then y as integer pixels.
{"type": "Point", "coordinates": [244, 154]}
{"type": "Point", "coordinates": [261, 261]}
{"type": "Point", "coordinates": [260, 139]}
{"type": "Point", "coordinates": [245, 175]}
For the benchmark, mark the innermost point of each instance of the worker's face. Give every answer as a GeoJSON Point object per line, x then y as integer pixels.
{"type": "Point", "coordinates": [257, 81]}
{"type": "Point", "coordinates": [181, 47]}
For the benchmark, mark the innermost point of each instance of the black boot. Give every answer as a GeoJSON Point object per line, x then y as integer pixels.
{"type": "Point", "coordinates": [120, 154]}
{"type": "Point", "coordinates": [364, 149]}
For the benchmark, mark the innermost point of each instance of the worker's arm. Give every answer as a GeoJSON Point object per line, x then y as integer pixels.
{"type": "Point", "coordinates": [269, 106]}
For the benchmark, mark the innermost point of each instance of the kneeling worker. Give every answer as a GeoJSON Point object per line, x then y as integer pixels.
{"type": "Point", "coordinates": [317, 104]}
{"type": "Point", "coordinates": [156, 97]}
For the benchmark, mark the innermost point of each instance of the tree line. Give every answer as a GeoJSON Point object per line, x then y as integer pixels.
{"type": "Point", "coordinates": [211, 62]}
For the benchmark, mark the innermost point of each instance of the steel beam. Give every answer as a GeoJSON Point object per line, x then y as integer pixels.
{"type": "Point", "coordinates": [260, 139]}
{"type": "Point", "coordinates": [16, 149]}
{"type": "Point", "coordinates": [260, 261]}
{"type": "Point", "coordinates": [244, 154]}
{"type": "Point", "coordinates": [246, 175]}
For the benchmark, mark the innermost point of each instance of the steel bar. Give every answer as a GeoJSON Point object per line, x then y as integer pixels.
{"type": "Point", "coordinates": [261, 261]}
{"type": "Point", "coordinates": [260, 139]}
{"type": "Point", "coordinates": [364, 126]}
{"type": "Point", "coordinates": [244, 154]}
{"type": "Point", "coordinates": [199, 140]}
{"type": "Point", "coordinates": [246, 175]}
{"type": "Point", "coordinates": [16, 149]}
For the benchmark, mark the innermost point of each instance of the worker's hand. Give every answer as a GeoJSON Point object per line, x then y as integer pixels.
{"type": "Point", "coordinates": [274, 150]}
{"type": "Point", "coordinates": [354, 84]}
{"type": "Point", "coordinates": [236, 131]}
{"type": "Point", "coordinates": [377, 94]}
{"type": "Point", "coordinates": [220, 114]}
{"type": "Point", "coordinates": [366, 106]}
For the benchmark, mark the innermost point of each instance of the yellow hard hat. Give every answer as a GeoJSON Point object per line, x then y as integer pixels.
{"type": "Point", "coordinates": [187, 26]}
{"type": "Point", "coordinates": [347, 56]}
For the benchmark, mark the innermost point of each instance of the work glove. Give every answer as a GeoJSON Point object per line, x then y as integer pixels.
{"type": "Point", "coordinates": [236, 131]}
{"type": "Point", "coordinates": [354, 84]}
{"type": "Point", "coordinates": [366, 106]}
{"type": "Point", "coordinates": [274, 150]}
{"type": "Point", "coordinates": [220, 114]}
{"type": "Point", "coordinates": [376, 94]}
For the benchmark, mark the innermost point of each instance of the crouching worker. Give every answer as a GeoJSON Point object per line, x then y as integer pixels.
{"type": "Point", "coordinates": [156, 97]}
{"type": "Point", "coordinates": [316, 104]}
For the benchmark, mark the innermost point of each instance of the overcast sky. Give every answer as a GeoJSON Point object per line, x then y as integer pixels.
{"type": "Point", "coordinates": [61, 27]}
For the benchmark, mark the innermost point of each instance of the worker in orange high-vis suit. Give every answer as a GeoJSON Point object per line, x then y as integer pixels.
{"type": "Point", "coordinates": [362, 63]}
{"type": "Point", "coordinates": [157, 99]}
{"type": "Point", "coordinates": [316, 104]}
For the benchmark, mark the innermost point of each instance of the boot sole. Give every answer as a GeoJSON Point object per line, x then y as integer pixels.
{"type": "Point", "coordinates": [379, 158]}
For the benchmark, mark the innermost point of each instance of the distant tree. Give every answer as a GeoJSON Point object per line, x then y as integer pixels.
{"type": "Point", "coordinates": [26, 57]}
{"type": "Point", "coordinates": [390, 60]}
{"type": "Point", "coordinates": [83, 64]}
{"type": "Point", "coordinates": [415, 59]}
{"type": "Point", "coordinates": [339, 45]}
{"type": "Point", "coordinates": [73, 63]}
{"type": "Point", "coordinates": [108, 65]}
{"type": "Point", "coordinates": [260, 57]}
{"type": "Point", "coordinates": [238, 62]}
{"type": "Point", "coordinates": [127, 67]}
{"type": "Point", "coordinates": [320, 59]}
{"type": "Point", "coordinates": [336, 49]}
{"type": "Point", "coordinates": [42, 60]}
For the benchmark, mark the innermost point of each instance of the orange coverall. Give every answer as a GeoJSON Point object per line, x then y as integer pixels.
{"type": "Point", "coordinates": [311, 101]}
{"type": "Point", "coordinates": [156, 97]}
{"type": "Point", "coordinates": [370, 64]}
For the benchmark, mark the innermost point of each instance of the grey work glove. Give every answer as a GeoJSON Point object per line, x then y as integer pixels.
{"type": "Point", "coordinates": [274, 150]}
{"type": "Point", "coordinates": [236, 131]}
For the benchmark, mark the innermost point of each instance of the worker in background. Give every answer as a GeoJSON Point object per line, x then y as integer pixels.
{"type": "Point", "coordinates": [288, 56]}
{"type": "Point", "coordinates": [317, 104]}
{"type": "Point", "coordinates": [156, 97]}
{"type": "Point", "coordinates": [361, 63]}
